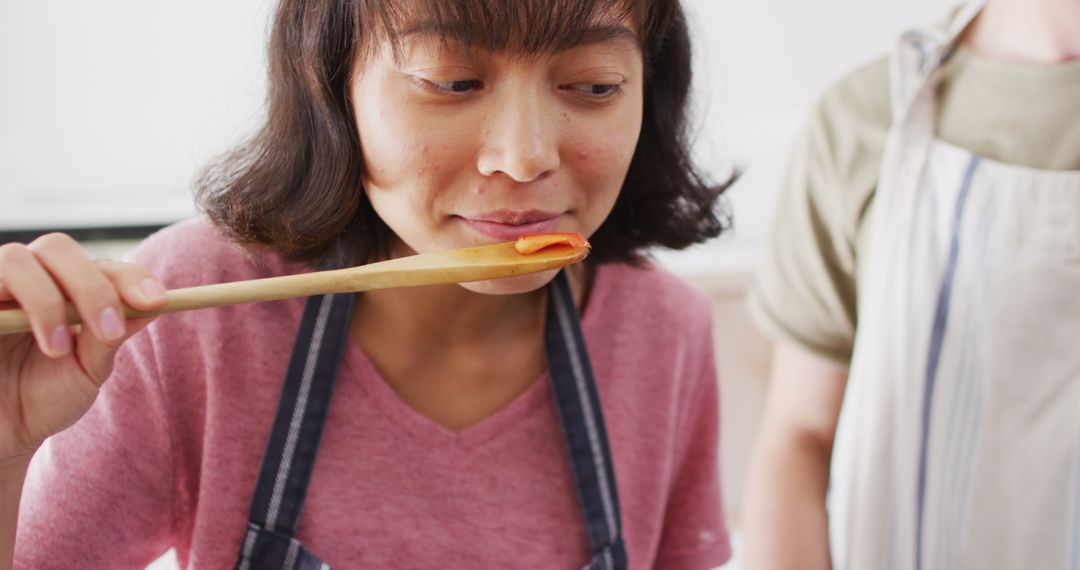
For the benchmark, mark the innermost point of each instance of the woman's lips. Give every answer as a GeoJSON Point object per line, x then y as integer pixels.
{"type": "Point", "coordinates": [508, 225]}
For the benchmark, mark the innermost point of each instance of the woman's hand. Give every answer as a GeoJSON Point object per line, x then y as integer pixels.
{"type": "Point", "coordinates": [50, 377]}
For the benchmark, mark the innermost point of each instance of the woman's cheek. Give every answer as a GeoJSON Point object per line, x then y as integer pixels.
{"type": "Point", "coordinates": [608, 144]}
{"type": "Point", "coordinates": [602, 163]}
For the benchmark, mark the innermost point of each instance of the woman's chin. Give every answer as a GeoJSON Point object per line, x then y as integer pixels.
{"type": "Point", "coordinates": [512, 285]}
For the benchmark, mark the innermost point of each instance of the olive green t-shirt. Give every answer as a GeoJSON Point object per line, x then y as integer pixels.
{"type": "Point", "coordinates": [809, 275]}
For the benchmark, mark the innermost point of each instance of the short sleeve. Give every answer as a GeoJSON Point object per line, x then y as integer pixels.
{"type": "Point", "coordinates": [695, 534]}
{"type": "Point", "coordinates": [805, 287]}
{"type": "Point", "coordinates": [100, 494]}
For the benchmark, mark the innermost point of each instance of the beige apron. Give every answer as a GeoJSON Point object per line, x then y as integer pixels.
{"type": "Point", "coordinates": [959, 440]}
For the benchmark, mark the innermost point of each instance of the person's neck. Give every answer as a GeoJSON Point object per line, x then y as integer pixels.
{"type": "Point", "coordinates": [447, 315]}
{"type": "Point", "coordinates": [450, 315]}
{"type": "Point", "coordinates": [1027, 31]}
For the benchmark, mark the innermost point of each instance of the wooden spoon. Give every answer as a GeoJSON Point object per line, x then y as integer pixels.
{"type": "Point", "coordinates": [455, 266]}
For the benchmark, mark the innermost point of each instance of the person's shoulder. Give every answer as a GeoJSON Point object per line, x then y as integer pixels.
{"type": "Point", "coordinates": [195, 252]}
{"type": "Point", "coordinates": [654, 295]}
{"type": "Point", "coordinates": [859, 100]}
{"type": "Point", "coordinates": [844, 144]}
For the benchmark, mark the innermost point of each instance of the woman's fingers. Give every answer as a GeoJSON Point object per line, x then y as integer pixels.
{"type": "Point", "coordinates": [42, 276]}
{"type": "Point", "coordinates": [93, 294]}
{"type": "Point", "coordinates": [28, 283]}
{"type": "Point", "coordinates": [138, 287]}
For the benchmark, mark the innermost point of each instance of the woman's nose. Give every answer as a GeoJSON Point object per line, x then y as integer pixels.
{"type": "Point", "coordinates": [520, 139]}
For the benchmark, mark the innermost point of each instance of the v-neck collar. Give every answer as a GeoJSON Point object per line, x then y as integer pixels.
{"type": "Point", "coordinates": [503, 421]}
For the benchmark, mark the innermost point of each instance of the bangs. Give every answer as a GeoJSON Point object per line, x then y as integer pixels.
{"type": "Point", "coordinates": [519, 27]}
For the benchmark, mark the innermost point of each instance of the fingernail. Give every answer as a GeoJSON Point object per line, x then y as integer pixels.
{"type": "Point", "coordinates": [152, 290]}
{"type": "Point", "coordinates": [60, 340]}
{"type": "Point", "coordinates": [111, 325]}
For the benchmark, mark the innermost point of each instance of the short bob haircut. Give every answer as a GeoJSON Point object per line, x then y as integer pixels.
{"type": "Point", "coordinates": [297, 185]}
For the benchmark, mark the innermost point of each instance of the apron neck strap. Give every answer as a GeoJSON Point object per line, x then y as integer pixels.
{"type": "Point", "coordinates": [582, 422]}
{"type": "Point", "coordinates": [920, 53]}
{"type": "Point", "coordinates": [305, 401]}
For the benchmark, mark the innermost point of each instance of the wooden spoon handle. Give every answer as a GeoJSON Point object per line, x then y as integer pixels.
{"type": "Point", "coordinates": [455, 266]}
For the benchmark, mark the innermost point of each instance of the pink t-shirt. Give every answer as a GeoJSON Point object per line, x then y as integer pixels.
{"type": "Point", "coordinates": [169, 453]}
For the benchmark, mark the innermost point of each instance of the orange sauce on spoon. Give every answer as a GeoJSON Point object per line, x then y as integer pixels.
{"type": "Point", "coordinates": [532, 243]}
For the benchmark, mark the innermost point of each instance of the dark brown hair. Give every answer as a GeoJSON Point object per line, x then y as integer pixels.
{"type": "Point", "coordinates": [296, 186]}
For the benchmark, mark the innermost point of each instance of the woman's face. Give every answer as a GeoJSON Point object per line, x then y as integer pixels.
{"type": "Point", "coordinates": [471, 148]}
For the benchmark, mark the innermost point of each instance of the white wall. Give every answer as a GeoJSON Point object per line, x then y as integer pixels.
{"type": "Point", "coordinates": [107, 109]}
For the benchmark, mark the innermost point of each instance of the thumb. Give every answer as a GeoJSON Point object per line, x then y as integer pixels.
{"type": "Point", "coordinates": [96, 356]}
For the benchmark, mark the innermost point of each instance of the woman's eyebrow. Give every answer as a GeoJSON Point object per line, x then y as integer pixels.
{"type": "Point", "coordinates": [608, 33]}
{"type": "Point", "coordinates": [595, 34]}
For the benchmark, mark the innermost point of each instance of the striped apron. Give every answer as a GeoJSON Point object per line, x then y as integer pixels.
{"type": "Point", "coordinates": [958, 444]}
{"type": "Point", "coordinates": [270, 542]}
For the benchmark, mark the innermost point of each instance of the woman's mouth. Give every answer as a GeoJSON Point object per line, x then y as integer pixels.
{"type": "Point", "coordinates": [507, 225]}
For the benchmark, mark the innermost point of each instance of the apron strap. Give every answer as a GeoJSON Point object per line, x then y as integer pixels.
{"type": "Point", "coordinates": [294, 438]}
{"type": "Point", "coordinates": [582, 423]}
{"type": "Point", "coordinates": [611, 558]}
{"type": "Point", "coordinates": [267, 550]}
{"type": "Point", "coordinates": [921, 52]}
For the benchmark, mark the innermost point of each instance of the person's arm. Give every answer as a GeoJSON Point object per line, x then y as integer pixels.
{"type": "Point", "coordinates": [50, 376]}
{"type": "Point", "coordinates": [785, 524]}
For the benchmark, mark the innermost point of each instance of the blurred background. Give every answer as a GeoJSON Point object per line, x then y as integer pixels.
{"type": "Point", "coordinates": [108, 110]}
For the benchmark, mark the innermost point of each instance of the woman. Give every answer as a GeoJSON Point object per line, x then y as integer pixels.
{"type": "Point", "coordinates": [392, 130]}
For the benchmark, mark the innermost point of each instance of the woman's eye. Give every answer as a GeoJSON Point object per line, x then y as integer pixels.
{"type": "Point", "coordinates": [457, 86]}
{"type": "Point", "coordinates": [596, 90]}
